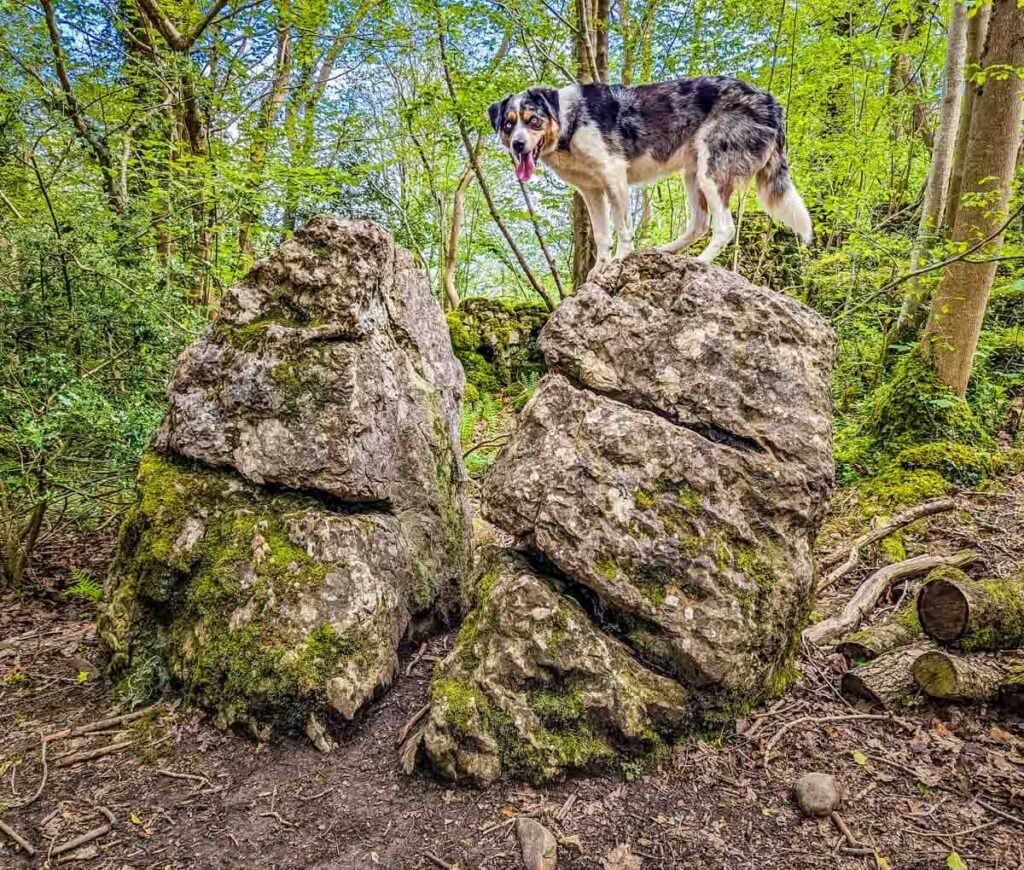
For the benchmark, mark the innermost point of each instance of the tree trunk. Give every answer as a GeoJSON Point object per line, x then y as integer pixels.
{"type": "Point", "coordinates": [888, 680]}
{"type": "Point", "coordinates": [263, 131]}
{"type": "Point", "coordinates": [941, 674]}
{"type": "Point", "coordinates": [591, 51]}
{"type": "Point", "coordinates": [977, 29]}
{"type": "Point", "coordinates": [976, 615]}
{"type": "Point", "coordinates": [900, 629]}
{"type": "Point", "coordinates": [938, 171]}
{"type": "Point", "coordinates": [959, 303]}
{"type": "Point", "coordinates": [451, 249]}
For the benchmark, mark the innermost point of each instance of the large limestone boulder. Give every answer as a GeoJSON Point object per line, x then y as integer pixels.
{"type": "Point", "coordinates": [303, 509]}
{"type": "Point", "coordinates": [672, 471]}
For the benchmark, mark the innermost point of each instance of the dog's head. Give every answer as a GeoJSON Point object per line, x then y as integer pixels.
{"type": "Point", "coordinates": [527, 126]}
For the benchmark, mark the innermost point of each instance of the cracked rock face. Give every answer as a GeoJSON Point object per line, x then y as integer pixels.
{"type": "Point", "coordinates": [303, 509]}
{"type": "Point", "coordinates": [533, 686]}
{"type": "Point", "coordinates": [672, 470]}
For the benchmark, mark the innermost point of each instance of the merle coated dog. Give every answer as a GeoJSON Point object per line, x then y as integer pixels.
{"type": "Point", "coordinates": [719, 132]}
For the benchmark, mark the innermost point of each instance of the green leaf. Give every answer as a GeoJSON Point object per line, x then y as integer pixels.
{"type": "Point", "coordinates": [955, 862]}
{"type": "Point", "coordinates": [859, 757]}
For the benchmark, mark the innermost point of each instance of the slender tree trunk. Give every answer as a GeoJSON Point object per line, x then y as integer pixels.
{"type": "Point", "coordinates": [977, 29]}
{"type": "Point", "coordinates": [451, 250]}
{"type": "Point", "coordinates": [591, 50]}
{"type": "Point", "coordinates": [958, 306]}
{"type": "Point", "coordinates": [263, 132]}
{"type": "Point", "coordinates": [939, 169]}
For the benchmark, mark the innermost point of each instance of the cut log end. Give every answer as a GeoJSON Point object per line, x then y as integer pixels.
{"type": "Point", "coordinates": [936, 674]}
{"type": "Point", "coordinates": [854, 686]}
{"type": "Point", "coordinates": [943, 609]}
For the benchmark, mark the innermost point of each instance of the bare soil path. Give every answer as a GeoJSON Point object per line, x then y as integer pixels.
{"type": "Point", "coordinates": [182, 794]}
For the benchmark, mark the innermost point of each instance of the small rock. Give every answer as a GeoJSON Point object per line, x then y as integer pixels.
{"type": "Point", "coordinates": [540, 850]}
{"type": "Point", "coordinates": [621, 858]}
{"type": "Point", "coordinates": [817, 794]}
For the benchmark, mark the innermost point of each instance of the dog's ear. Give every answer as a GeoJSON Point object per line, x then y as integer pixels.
{"type": "Point", "coordinates": [548, 96]}
{"type": "Point", "coordinates": [496, 111]}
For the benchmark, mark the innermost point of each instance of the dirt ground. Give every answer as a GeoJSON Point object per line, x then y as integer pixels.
{"type": "Point", "coordinates": [175, 792]}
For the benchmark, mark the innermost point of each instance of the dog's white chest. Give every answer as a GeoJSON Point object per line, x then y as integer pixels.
{"type": "Point", "coordinates": [588, 163]}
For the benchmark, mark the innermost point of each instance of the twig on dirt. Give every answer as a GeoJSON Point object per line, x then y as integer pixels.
{"type": "Point", "coordinates": [842, 717]}
{"type": "Point", "coordinates": [936, 506]}
{"type": "Point", "coordinates": [274, 814]}
{"type": "Point", "coordinates": [944, 836]}
{"type": "Point", "coordinates": [100, 724]}
{"type": "Point", "coordinates": [415, 660]}
{"type": "Point", "coordinates": [837, 574]}
{"type": "Point", "coordinates": [173, 774]}
{"type": "Point", "coordinates": [314, 797]}
{"type": "Point", "coordinates": [868, 593]}
{"type": "Point", "coordinates": [1010, 817]}
{"type": "Point", "coordinates": [408, 726]}
{"type": "Point", "coordinates": [564, 811]}
{"type": "Point", "coordinates": [437, 862]}
{"type": "Point", "coordinates": [88, 836]}
{"type": "Point", "coordinates": [25, 845]}
{"type": "Point", "coordinates": [90, 754]}
{"type": "Point", "coordinates": [42, 779]}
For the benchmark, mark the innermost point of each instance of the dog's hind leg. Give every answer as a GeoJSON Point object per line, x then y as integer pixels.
{"type": "Point", "coordinates": [717, 190]}
{"type": "Point", "coordinates": [618, 197]}
{"type": "Point", "coordinates": [597, 207]}
{"type": "Point", "coordinates": [698, 221]}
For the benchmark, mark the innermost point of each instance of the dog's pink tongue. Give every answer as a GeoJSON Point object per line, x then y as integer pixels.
{"type": "Point", "coordinates": [524, 168]}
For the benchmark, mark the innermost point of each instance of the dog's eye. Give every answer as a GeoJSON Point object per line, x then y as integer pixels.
{"type": "Point", "coordinates": [508, 125]}
{"type": "Point", "coordinates": [536, 122]}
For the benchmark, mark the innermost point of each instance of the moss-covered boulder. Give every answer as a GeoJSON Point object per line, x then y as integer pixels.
{"type": "Point", "coordinates": [496, 342]}
{"type": "Point", "coordinates": [533, 687]}
{"type": "Point", "coordinates": [670, 472]}
{"type": "Point", "coordinates": [302, 511]}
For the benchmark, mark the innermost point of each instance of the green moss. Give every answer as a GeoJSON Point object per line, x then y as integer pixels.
{"type": "Point", "coordinates": [193, 602]}
{"type": "Point", "coordinates": [893, 548]}
{"type": "Point", "coordinates": [459, 699]}
{"type": "Point", "coordinates": [606, 567]}
{"type": "Point", "coordinates": [961, 464]}
{"type": "Point", "coordinates": [643, 498]}
{"type": "Point", "coordinates": [916, 407]}
{"type": "Point", "coordinates": [496, 342]}
{"type": "Point", "coordinates": [900, 488]}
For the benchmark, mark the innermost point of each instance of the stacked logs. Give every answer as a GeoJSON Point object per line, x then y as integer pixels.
{"type": "Point", "coordinates": [960, 640]}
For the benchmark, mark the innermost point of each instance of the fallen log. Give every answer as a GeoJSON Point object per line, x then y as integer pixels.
{"type": "Point", "coordinates": [951, 677]}
{"type": "Point", "coordinates": [976, 615]}
{"type": "Point", "coordinates": [868, 593]}
{"type": "Point", "coordinates": [1011, 690]}
{"type": "Point", "coordinates": [900, 629]}
{"type": "Point", "coordinates": [888, 680]}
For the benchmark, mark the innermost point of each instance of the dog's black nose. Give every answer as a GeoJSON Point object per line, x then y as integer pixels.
{"type": "Point", "coordinates": [518, 146]}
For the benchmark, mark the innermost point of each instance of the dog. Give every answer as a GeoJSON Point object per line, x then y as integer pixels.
{"type": "Point", "coordinates": [718, 132]}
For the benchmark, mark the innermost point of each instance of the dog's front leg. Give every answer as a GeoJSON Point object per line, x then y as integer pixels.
{"type": "Point", "coordinates": [618, 197]}
{"type": "Point", "coordinates": [597, 207]}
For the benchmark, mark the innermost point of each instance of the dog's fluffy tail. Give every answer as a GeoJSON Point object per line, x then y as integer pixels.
{"type": "Point", "coordinates": [779, 197]}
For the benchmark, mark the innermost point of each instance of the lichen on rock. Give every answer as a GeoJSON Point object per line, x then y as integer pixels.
{"type": "Point", "coordinates": [533, 687]}
{"type": "Point", "coordinates": [302, 511]}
